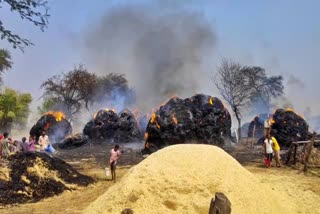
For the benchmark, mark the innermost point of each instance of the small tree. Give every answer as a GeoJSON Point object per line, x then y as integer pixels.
{"type": "Point", "coordinates": [241, 85]}
{"type": "Point", "coordinates": [14, 109]}
{"type": "Point", "coordinates": [34, 11]}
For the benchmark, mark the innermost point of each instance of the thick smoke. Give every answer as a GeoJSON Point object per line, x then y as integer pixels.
{"type": "Point", "coordinates": [161, 53]}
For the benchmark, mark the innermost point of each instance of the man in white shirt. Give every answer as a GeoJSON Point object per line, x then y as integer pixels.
{"type": "Point", "coordinates": [43, 141]}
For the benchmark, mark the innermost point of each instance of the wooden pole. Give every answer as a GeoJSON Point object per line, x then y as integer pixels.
{"type": "Point", "coordinates": [289, 154]}
{"type": "Point", "coordinates": [295, 154]}
{"type": "Point", "coordinates": [253, 133]}
{"type": "Point", "coordinates": [309, 152]}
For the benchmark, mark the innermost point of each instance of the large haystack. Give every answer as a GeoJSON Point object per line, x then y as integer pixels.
{"type": "Point", "coordinates": [34, 176]}
{"type": "Point", "coordinates": [183, 179]}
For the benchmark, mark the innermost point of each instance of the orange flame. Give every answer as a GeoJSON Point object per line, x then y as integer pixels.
{"type": "Point", "coordinates": [153, 118]}
{"type": "Point", "coordinates": [57, 114]}
{"type": "Point", "coordinates": [211, 101]}
{"type": "Point", "coordinates": [147, 145]}
{"type": "Point", "coordinates": [157, 124]}
{"type": "Point", "coordinates": [291, 110]}
{"type": "Point", "coordinates": [146, 136]}
{"type": "Point", "coordinates": [272, 121]}
{"type": "Point", "coordinates": [175, 120]}
{"type": "Point", "coordinates": [47, 126]}
{"type": "Point", "coordinates": [114, 110]}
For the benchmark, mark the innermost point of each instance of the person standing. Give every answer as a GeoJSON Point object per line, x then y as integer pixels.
{"type": "Point", "coordinates": [115, 154]}
{"type": "Point", "coordinates": [276, 149]}
{"type": "Point", "coordinates": [24, 145]}
{"type": "Point", "coordinates": [268, 144]}
{"type": "Point", "coordinates": [43, 141]}
{"type": "Point", "coordinates": [5, 145]}
{"type": "Point", "coordinates": [31, 145]}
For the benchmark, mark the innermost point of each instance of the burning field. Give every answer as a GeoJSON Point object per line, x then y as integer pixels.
{"type": "Point", "coordinates": [30, 177]}
{"type": "Point", "coordinates": [108, 125]}
{"type": "Point", "coordinates": [201, 118]}
{"type": "Point", "coordinates": [55, 124]}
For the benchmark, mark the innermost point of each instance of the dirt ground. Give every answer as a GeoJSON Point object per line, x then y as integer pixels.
{"type": "Point", "coordinates": [303, 191]}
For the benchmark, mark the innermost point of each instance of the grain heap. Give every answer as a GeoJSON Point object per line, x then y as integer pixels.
{"type": "Point", "coordinates": [183, 179]}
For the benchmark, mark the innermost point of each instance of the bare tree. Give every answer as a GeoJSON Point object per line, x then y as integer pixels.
{"type": "Point", "coordinates": [240, 85]}
{"type": "Point", "coordinates": [71, 90]}
{"type": "Point", "coordinates": [34, 11]}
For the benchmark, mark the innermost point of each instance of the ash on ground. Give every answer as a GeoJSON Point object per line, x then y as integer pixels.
{"type": "Point", "coordinates": [30, 177]}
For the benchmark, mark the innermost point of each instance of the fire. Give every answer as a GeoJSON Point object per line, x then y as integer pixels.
{"type": "Point", "coordinates": [47, 126]}
{"type": "Point", "coordinates": [146, 136]}
{"type": "Point", "coordinates": [211, 101]}
{"type": "Point", "coordinates": [153, 118]}
{"type": "Point", "coordinates": [291, 110]}
{"type": "Point", "coordinates": [114, 110]}
{"type": "Point", "coordinates": [175, 120]}
{"type": "Point", "coordinates": [147, 145]}
{"type": "Point", "coordinates": [57, 114]}
{"type": "Point", "coordinates": [157, 124]}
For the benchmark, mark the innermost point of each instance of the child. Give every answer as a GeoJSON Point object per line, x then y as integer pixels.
{"type": "Point", "coordinates": [268, 145]}
{"type": "Point", "coordinates": [31, 146]}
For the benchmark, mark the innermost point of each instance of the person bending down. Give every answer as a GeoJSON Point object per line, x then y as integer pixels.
{"type": "Point", "coordinates": [115, 154]}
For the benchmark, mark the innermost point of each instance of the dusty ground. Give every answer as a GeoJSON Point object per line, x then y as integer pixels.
{"type": "Point", "coordinates": [91, 160]}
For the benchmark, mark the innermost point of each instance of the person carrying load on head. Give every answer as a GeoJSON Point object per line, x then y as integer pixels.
{"type": "Point", "coordinates": [276, 149]}
{"type": "Point", "coordinates": [268, 151]}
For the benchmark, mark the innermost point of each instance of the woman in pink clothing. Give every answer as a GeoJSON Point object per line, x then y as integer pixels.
{"type": "Point", "coordinates": [31, 146]}
{"type": "Point", "coordinates": [115, 154]}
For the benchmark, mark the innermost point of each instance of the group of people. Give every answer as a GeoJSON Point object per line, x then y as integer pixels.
{"type": "Point", "coordinates": [271, 146]}
{"type": "Point", "coordinates": [9, 146]}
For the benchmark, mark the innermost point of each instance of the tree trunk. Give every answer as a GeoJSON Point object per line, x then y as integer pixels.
{"type": "Point", "coordinates": [239, 127]}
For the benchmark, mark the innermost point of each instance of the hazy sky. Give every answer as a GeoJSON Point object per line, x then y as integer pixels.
{"type": "Point", "coordinates": [281, 36]}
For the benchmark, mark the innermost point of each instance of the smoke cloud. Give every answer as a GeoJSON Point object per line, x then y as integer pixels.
{"type": "Point", "coordinates": [161, 52]}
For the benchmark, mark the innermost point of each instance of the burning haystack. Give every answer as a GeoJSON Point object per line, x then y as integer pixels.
{"type": "Point", "coordinates": [55, 124]}
{"type": "Point", "coordinates": [288, 126]}
{"type": "Point", "coordinates": [201, 118]}
{"type": "Point", "coordinates": [108, 125]}
{"type": "Point", "coordinates": [30, 177]}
